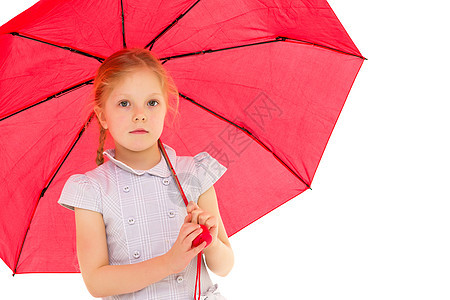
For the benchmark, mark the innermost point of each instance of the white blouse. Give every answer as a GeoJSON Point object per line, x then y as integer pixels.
{"type": "Point", "coordinates": [143, 211]}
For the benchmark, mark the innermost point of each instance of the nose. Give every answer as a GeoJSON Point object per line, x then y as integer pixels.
{"type": "Point", "coordinates": [140, 116]}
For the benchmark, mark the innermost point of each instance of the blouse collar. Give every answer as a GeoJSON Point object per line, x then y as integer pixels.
{"type": "Point", "coordinates": [161, 169]}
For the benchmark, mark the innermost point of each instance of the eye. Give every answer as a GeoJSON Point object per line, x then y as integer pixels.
{"type": "Point", "coordinates": [124, 101]}
{"type": "Point", "coordinates": [154, 102]}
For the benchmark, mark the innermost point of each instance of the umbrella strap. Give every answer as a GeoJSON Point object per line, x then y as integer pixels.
{"type": "Point", "coordinates": [197, 277]}
{"type": "Point", "coordinates": [172, 171]}
{"type": "Point", "coordinates": [199, 256]}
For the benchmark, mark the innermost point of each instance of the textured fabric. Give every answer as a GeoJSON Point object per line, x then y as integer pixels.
{"type": "Point", "coordinates": [143, 212]}
{"type": "Point", "coordinates": [212, 294]}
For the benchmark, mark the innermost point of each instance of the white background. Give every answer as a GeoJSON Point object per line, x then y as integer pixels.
{"type": "Point", "coordinates": [376, 223]}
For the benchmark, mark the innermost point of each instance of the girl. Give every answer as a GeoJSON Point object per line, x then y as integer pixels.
{"type": "Point", "coordinates": [134, 232]}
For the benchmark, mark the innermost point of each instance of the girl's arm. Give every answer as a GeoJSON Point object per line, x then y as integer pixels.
{"type": "Point", "coordinates": [111, 280]}
{"type": "Point", "coordinates": [102, 279]}
{"type": "Point", "coordinates": [219, 255]}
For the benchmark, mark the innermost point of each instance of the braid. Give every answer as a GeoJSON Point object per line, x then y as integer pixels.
{"type": "Point", "coordinates": [100, 159]}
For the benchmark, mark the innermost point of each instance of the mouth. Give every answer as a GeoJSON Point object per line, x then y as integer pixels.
{"type": "Point", "coordinates": [141, 131]}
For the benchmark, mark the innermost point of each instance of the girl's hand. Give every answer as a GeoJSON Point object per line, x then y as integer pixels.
{"type": "Point", "coordinates": [181, 253]}
{"type": "Point", "coordinates": [200, 216]}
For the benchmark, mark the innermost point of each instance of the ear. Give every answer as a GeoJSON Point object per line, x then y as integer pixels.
{"type": "Point", "coordinates": [101, 116]}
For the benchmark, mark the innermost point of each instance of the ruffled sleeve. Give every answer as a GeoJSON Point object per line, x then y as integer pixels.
{"type": "Point", "coordinates": [81, 192]}
{"type": "Point", "coordinates": [208, 170]}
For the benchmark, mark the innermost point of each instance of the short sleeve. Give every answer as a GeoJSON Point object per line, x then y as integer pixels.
{"type": "Point", "coordinates": [208, 170]}
{"type": "Point", "coordinates": [80, 191]}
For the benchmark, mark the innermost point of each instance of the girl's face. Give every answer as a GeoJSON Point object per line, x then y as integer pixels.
{"type": "Point", "coordinates": [135, 102]}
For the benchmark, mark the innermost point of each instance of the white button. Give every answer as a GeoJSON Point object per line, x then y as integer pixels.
{"type": "Point", "coordinates": [166, 181]}
{"type": "Point", "coordinates": [126, 189]}
{"type": "Point", "coordinates": [136, 254]}
{"type": "Point", "coordinates": [131, 220]}
{"type": "Point", "coordinates": [180, 279]}
{"type": "Point", "coordinates": [171, 214]}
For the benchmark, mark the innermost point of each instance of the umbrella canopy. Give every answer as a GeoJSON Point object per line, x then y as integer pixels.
{"type": "Point", "coordinates": [262, 84]}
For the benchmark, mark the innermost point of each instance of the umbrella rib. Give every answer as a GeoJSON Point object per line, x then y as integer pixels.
{"type": "Point", "coordinates": [80, 133]}
{"type": "Point", "coordinates": [67, 154]}
{"type": "Point", "coordinates": [100, 59]}
{"type": "Point", "coordinates": [57, 95]}
{"type": "Point", "coordinates": [277, 39]}
{"type": "Point", "coordinates": [165, 59]}
{"type": "Point", "coordinates": [123, 27]}
{"type": "Point", "coordinates": [318, 45]}
{"type": "Point", "coordinates": [169, 26]}
{"type": "Point", "coordinates": [248, 133]}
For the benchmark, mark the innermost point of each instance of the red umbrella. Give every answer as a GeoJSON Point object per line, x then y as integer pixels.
{"type": "Point", "coordinates": [261, 84]}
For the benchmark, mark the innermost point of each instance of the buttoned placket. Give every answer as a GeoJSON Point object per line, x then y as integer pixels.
{"type": "Point", "coordinates": [130, 219]}
{"type": "Point", "coordinates": [130, 216]}
{"type": "Point", "coordinates": [172, 214]}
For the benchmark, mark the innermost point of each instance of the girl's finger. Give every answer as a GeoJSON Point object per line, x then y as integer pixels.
{"type": "Point", "coordinates": [207, 219]}
{"type": "Point", "coordinates": [191, 206]}
{"type": "Point", "coordinates": [198, 249]}
{"type": "Point", "coordinates": [195, 214]}
{"type": "Point", "coordinates": [191, 236]}
{"type": "Point", "coordinates": [194, 233]}
{"type": "Point", "coordinates": [202, 217]}
{"type": "Point", "coordinates": [210, 222]}
{"type": "Point", "coordinates": [188, 218]}
{"type": "Point", "coordinates": [187, 229]}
